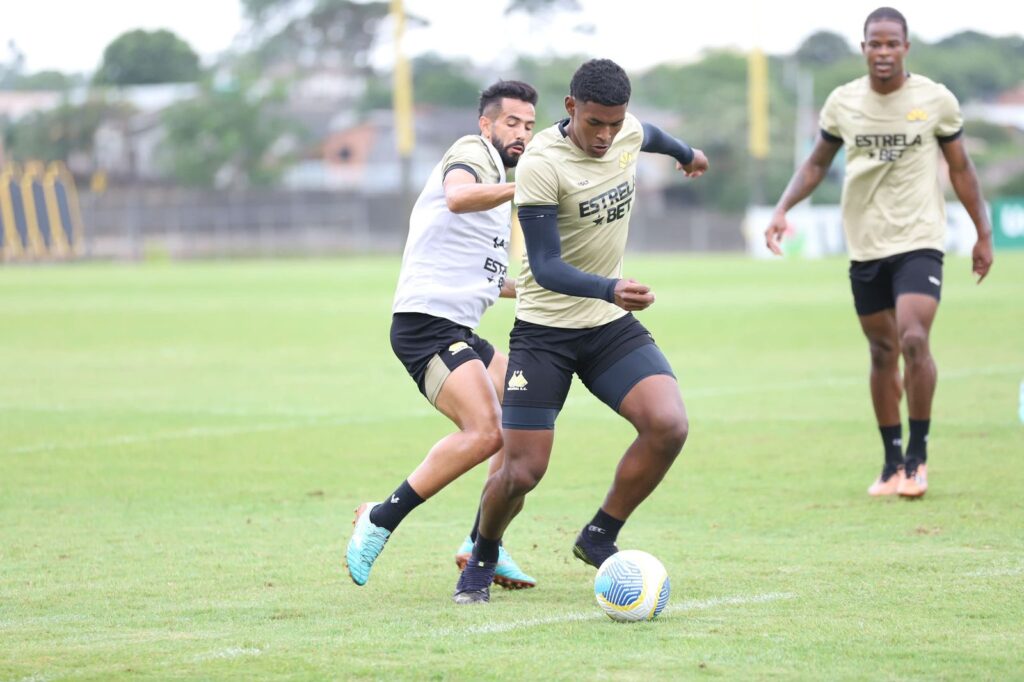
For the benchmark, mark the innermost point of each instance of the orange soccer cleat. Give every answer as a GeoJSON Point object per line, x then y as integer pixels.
{"type": "Point", "coordinates": [916, 484]}
{"type": "Point", "coordinates": [887, 483]}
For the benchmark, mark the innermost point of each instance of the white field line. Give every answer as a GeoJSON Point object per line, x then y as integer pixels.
{"type": "Point", "coordinates": [707, 391]}
{"type": "Point", "coordinates": [597, 614]}
{"type": "Point", "coordinates": [169, 411]}
{"type": "Point", "coordinates": [229, 653]}
{"type": "Point", "coordinates": [832, 382]}
{"type": "Point", "coordinates": [204, 432]}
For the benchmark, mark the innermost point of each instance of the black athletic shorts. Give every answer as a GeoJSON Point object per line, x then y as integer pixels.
{"type": "Point", "coordinates": [432, 347]}
{"type": "Point", "coordinates": [609, 359]}
{"type": "Point", "coordinates": [878, 283]}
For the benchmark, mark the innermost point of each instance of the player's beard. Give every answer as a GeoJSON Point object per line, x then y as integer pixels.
{"type": "Point", "coordinates": [507, 159]}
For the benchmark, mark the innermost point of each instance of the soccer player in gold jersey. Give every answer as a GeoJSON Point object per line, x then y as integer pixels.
{"type": "Point", "coordinates": [892, 125]}
{"type": "Point", "coordinates": [576, 189]}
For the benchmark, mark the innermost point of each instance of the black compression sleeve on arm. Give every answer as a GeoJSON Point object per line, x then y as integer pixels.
{"type": "Point", "coordinates": [658, 141]}
{"type": "Point", "coordinates": [544, 250]}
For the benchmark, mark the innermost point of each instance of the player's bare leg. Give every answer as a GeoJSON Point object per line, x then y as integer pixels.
{"type": "Point", "coordinates": [886, 392]}
{"type": "Point", "coordinates": [884, 347]}
{"type": "Point", "coordinates": [467, 397]}
{"type": "Point", "coordinates": [655, 408]}
{"type": "Point", "coordinates": [915, 314]}
{"type": "Point", "coordinates": [527, 453]}
{"type": "Point", "coordinates": [496, 372]}
{"type": "Point", "coordinates": [508, 574]}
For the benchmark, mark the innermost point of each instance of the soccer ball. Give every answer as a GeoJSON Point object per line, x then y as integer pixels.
{"type": "Point", "coordinates": [632, 585]}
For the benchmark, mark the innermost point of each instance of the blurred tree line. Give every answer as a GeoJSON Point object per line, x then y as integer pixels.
{"type": "Point", "coordinates": [229, 135]}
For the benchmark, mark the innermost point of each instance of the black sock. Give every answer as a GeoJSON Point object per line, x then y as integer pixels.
{"type": "Point", "coordinates": [476, 526]}
{"type": "Point", "coordinates": [485, 550]}
{"type": "Point", "coordinates": [603, 528]}
{"type": "Point", "coordinates": [389, 513]}
{"type": "Point", "coordinates": [917, 448]}
{"type": "Point", "coordinates": [892, 441]}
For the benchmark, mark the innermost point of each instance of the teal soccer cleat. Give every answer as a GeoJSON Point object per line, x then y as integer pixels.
{"type": "Point", "coordinates": [507, 573]}
{"type": "Point", "coordinates": [365, 546]}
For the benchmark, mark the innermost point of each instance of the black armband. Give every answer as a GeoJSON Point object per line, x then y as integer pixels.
{"type": "Point", "coordinates": [544, 252]}
{"type": "Point", "coordinates": [658, 141]}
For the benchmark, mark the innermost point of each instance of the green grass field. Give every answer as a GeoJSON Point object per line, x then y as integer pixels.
{"type": "Point", "coordinates": [182, 445]}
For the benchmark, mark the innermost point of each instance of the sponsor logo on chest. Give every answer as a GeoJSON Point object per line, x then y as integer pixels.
{"type": "Point", "coordinates": [887, 147]}
{"type": "Point", "coordinates": [610, 205]}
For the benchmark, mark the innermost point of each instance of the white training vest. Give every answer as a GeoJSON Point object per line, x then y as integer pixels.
{"type": "Point", "coordinates": [454, 263]}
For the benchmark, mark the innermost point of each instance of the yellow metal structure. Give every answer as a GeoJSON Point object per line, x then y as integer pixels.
{"type": "Point", "coordinates": [12, 248]}
{"type": "Point", "coordinates": [757, 103]}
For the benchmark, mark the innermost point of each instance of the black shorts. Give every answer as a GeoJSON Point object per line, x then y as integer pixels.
{"type": "Point", "coordinates": [609, 359]}
{"type": "Point", "coordinates": [878, 283]}
{"type": "Point", "coordinates": [432, 347]}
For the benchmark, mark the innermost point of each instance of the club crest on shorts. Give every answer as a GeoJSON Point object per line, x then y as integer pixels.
{"type": "Point", "coordinates": [458, 347]}
{"type": "Point", "coordinates": [517, 382]}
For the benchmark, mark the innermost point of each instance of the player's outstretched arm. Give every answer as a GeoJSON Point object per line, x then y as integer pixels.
{"type": "Point", "coordinates": [464, 194]}
{"type": "Point", "coordinates": [965, 183]}
{"type": "Point", "coordinates": [804, 181]}
{"type": "Point", "coordinates": [544, 251]}
{"type": "Point", "coordinates": [657, 141]}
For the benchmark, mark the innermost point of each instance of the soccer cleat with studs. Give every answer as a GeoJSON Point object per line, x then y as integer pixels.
{"type": "Point", "coordinates": [887, 483]}
{"type": "Point", "coordinates": [474, 586]}
{"type": "Point", "coordinates": [593, 553]}
{"type": "Point", "coordinates": [365, 546]}
{"type": "Point", "coordinates": [915, 483]}
{"type": "Point", "coordinates": [507, 574]}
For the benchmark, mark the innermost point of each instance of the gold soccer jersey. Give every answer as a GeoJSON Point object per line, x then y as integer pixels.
{"type": "Point", "coordinates": [471, 152]}
{"type": "Point", "coordinates": [892, 202]}
{"type": "Point", "coordinates": [595, 198]}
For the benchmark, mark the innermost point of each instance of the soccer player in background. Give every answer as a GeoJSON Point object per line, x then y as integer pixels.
{"type": "Point", "coordinates": [575, 192]}
{"type": "Point", "coordinates": [892, 124]}
{"type": "Point", "coordinates": [454, 268]}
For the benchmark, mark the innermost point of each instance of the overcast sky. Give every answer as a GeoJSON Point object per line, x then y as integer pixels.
{"type": "Point", "coordinates": [70, 35]}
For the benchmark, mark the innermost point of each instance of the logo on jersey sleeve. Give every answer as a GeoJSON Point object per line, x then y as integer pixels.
{"type": "Point", "coordinates": [517, 382]}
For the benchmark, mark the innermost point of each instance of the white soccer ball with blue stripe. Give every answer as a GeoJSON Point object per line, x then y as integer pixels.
{"type": "Point", "coordinates": [632, 585]}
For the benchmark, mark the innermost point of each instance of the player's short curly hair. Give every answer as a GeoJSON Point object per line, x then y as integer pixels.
{"type": "Point", "coordinates": [601, 81]}
{"type": "Point", "coordinates": [519, 90]}
{"type": "Point", "coordinates": [886, 13]}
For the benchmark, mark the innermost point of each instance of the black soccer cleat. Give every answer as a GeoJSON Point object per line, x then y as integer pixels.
{"type": "Point", "coordinates": [474, 586]}
{"type": "Point", "coordinates": [593, 553]}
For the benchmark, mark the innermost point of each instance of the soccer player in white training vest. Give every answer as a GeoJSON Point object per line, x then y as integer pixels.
{"type": "Point", "coordinates": [892, 125]}
{"type": "Point", "coordinates": [453, 269]}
